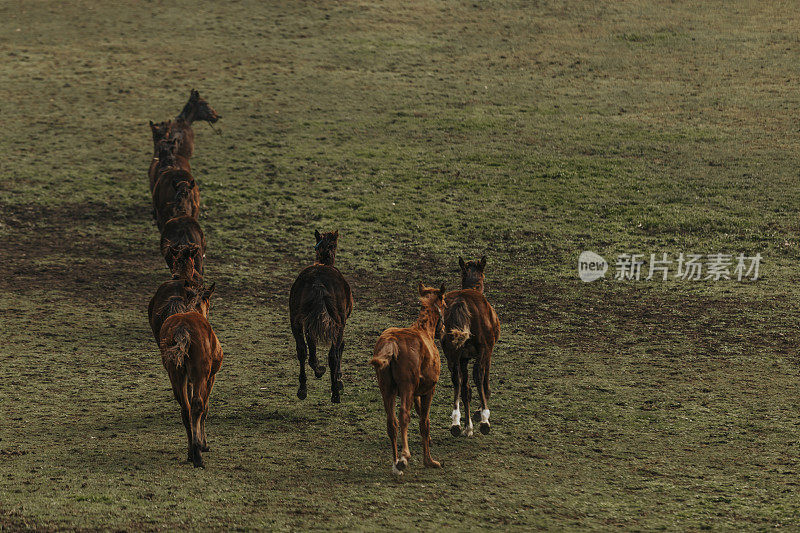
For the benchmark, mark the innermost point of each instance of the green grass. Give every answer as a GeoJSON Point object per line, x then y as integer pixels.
{"type": "Point", "coordinates": [526, 131]}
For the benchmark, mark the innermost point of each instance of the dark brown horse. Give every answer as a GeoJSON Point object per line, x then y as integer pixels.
{"type": "Point", "coordinates": [192, 355]}
{"type": "Point", "coordinates": [166, 158]}
{"type": "Point", "coordinates": [183, 232]}
{"type": "Point", "coordinates": [176, 194]}
{"type": "Point", "coordinates": [172, 296]}
{"type": "Point", "coordinates": [471, 329]}
{"type": "Point", "coordinates": [320, 303]}
{"type": "Point", "coordinates": [195, 109]}
{"type": "Point", "coordinates": [406, 362]}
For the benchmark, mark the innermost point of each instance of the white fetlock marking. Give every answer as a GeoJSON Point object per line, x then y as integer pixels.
{"type": "Point", "coordinates": [456, 417]}
{"type": "Point", "coordinates": [468, 430]}
{"type": "Point", "coordinates": [485, 416]}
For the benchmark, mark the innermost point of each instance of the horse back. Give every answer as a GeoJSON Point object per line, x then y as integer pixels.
{"type": "Point", "coordinates": [331, 280]}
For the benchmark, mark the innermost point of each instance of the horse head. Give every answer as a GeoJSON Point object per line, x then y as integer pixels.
{"type": "Point", "coordinates": [472, 273]}
{"type": "Point", "coordinates": [326, 246]}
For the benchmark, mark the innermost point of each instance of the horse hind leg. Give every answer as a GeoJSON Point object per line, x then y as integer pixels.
{"type": "Point", "coordinates": [478, 374]}
{"type": "Point", "coordinates": [318, 369]}
{"type": "Point", "coordinates": [179, 390]}
{"type": "Point", "coordinates": [297, 331]}
{"type": "Point", "coordinates": [203, 439]}
{"type": "Point", "coordinates": [198, 407]}
{"type": "Point", "coordinates": [423, 405]}
{"type": "Point", "coordinates": [334, 361]}
{"type": "Point", "coordinates": [406, 399]}
{"type": "Point", "coordinates": [466, 395]}
{"type": "Point", "coordinates": [455, 417]}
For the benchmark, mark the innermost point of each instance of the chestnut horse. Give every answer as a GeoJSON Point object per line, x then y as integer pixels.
{"type": "Point", "coordinates": [181, 128]}
{"type": "Point", "coordinates": [176, 194]}
{"type": "Point", "coordinates": [320, 302]}
{"type": "Point", "coordinates": [183, 232]}
{"type": "Point", "coordinates": [471, 329]}
{"type": "Point", "coordinates": [192, 355]}
{"type": "Point", "coordinates": [406, 362]}
{"type": "Point", "coordinates": [166, 158]}
{"type": "Point", "coordinates": [172, 297]}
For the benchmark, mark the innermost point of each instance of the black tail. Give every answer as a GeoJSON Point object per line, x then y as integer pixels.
{"type": "Point", "coordinates": [318, 311]}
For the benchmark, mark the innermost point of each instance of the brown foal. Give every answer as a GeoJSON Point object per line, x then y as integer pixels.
{"type": "Point", "coordinates": [192, 356]}
{"type": "Point", "coordinates": [406, 362]}
{"type": "Point", "coordinates": [471, 329]}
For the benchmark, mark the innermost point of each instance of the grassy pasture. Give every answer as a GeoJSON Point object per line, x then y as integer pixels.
{"type": "Point", "coordinates": [528, 131]}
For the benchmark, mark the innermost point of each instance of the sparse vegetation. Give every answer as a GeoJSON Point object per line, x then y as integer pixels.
{"type": "Point", "coordinates": [529, 132]}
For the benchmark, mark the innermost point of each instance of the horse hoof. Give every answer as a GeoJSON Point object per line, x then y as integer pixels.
{"type": "Point", "coordinates": [319, 372]}
{"type": "Point", "coordinates": [335, 398]}
{"type": "Point", "coordinates": [340, 385]}
{"type": "Point", "coordinates": [468, 431]}
{"type": "Point", "coordinates": [485, 428]}
{"type": "Point", "coordinates": [398, 474]}
{"type": "Point", "coordinates": [401, 464]}
{"type": "Point", "coordinates": [455, 431]}
{"type": "Point", "coordinates": [302, 393]}
{"type": "Point", "coordinates": [433, 464]}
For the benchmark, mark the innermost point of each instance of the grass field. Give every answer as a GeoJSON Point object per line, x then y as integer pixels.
{"type": "Point", "coordinates": [528, 131]}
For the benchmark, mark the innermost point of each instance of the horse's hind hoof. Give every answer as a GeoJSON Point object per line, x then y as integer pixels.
{"type": "Point", "coordinates": [455, 430]}
{"type": "Point", "coordinates": [401, 464]}
{"type": "Point", "coordinates": [302, 393]}
{"type": "Point", "coordinates": [485, 428]}
{"type": "Point", "coordinates": [319, 372]}
{"type": "Point", "coordinates": [335, 398]}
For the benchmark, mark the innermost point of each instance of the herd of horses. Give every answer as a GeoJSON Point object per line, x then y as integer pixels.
{"type": "Point", "coordinates": [406, 360]}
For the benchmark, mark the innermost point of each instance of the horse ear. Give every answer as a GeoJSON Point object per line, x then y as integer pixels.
{"type": "Point", "coordinates": [421, 289]}
{"type": "Point", "coordinates": [210, 290]}
{"type": "Point", "coordinates": [317, 235]}
{"type": "Point", "coordinates": [482, 264]}
{"type": "Point", "coordinates": [336, 234]}
{"type": "Point", "coordinates": [461, 264]}
{"type": "Point", "coordinates": [194, 95]}
{"type": "Point", "coordinates": [152, 126]}
{"type": "Point", "coordinates": [441, 291]}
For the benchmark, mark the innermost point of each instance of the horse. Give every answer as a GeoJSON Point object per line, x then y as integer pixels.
{"type": "Point", "coordinates": [172, 297]}
{"type": "Point", "coordinates": [166, 158]}
{"type": "Point", "coordinates": [320, 302]}
{"type": "Point", "coordinates": [192, 356]}
{"type": "Point", "coordinates": [195, 109]}
{"type": "Point", "coordinates": [471, 329]}
{"type": "Point", "coordinates": [179, 232]}
{"type": "Point", "coordinates": [407, 365]}
{"type": "Point", "coordinates": [176, 194]}
{"type": "Point", "coordinates": [160, 132]}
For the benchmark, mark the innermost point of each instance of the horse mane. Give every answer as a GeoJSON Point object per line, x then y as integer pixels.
{"type": "Point", "coordinates": [175, 305]}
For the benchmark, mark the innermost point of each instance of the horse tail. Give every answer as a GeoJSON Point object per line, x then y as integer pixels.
{"type": "Point", "coordinates": [457, 323]}
{"type": "Point", "coordinates": [177, 350]}
{"type": "Point", "coordinates": [318, 310]}
{"type": "Point", "coordinates": [385, 355]}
